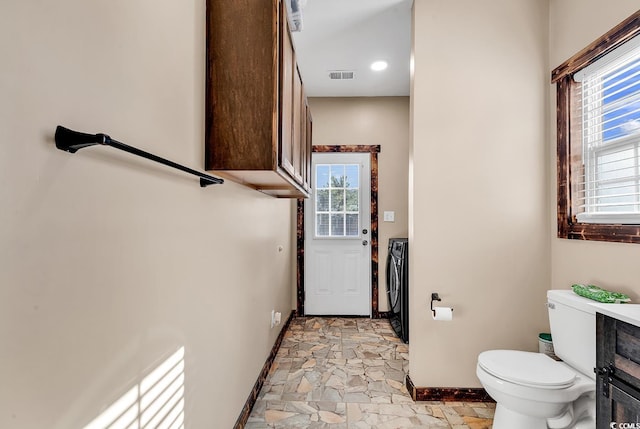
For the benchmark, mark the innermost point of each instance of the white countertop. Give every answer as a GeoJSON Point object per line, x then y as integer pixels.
{"type": "Point", "coordinates": [629, 313]}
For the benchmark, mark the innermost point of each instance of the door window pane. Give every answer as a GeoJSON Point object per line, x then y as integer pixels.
{"type": "Point", "coordinates": [337, 225]}
{"type": "Point", "coordinates": [352, 225]}
{"type": "Point", "coordinates": [352, 200]}
{"type": "Point", "coordinates": [322, 225]}
{"type": "Point", "coordinates": [322, 176]}
{"type": "Point", "coordinates": [337, 176]}
{"type": "Point", "coordinates": [352, 177]}
{"type": "Point", "coordinates": [322, 200]}
{"type": "Point", "coordinates": [337, 200]}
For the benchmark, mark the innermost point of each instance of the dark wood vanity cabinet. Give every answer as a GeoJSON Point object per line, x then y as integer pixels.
{"type": "Point", "coordinates": [258, 124]}
{"type": "Point", "coordinates": [618, 372]}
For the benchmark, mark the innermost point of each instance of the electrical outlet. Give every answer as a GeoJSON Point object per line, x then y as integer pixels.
{"type": "Point", "coordinates": [390, 216]}
{"type": "Point", "coordinates": [278, 317]}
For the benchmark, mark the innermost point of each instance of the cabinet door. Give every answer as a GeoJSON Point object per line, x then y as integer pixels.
{"type": "Point", "coordinates": [308, 141]}
{"type": "Point", "coordinates": [297, 126]}
{"type": "Point", "coordinates": [619, 347]}
{"type": "Point", "coordinates": [618, 368]}
{"type": "Point", "coordinates": [287, 70]}
{"type": "Point", "coordinates": [621, 406]}
{"type": "Point", "coordinates": [304, 152]}
{"type": "Point", "coordinates": [304, 143]}
{"type": "Point", "coordinates": [242, 86]}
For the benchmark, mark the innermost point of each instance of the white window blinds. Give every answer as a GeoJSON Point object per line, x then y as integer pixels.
{"type": "Point", "coordinates": [606, 177]}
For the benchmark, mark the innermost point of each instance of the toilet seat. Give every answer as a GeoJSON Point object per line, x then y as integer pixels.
{"type": "Point", "coordinates": [526, 369]}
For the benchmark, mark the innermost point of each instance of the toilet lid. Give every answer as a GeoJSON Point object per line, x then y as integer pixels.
{"type": "Point", "coordinates": [526, 368]}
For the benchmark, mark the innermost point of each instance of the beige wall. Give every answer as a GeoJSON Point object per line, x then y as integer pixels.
{"type": "Point", "coordinates": [380, 121]}
{"type": "Point", "coordinates": [478, 201]}
{"type": "Point", "coordinates": [573, 25]}
{"type": "Point", "coordinates": [109, 263]}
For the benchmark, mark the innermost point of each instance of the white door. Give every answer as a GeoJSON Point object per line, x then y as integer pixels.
{"type": "Point", "coordinates": [337, 251]}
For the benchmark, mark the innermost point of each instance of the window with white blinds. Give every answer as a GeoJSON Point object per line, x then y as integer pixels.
{"type": "Point", "coordinates": [605, 162]}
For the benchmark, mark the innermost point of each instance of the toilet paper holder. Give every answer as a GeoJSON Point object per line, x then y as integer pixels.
{"type": "Point", "coordinates": [435, 297]}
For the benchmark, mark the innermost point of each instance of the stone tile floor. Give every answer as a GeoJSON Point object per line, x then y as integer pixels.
{"type": "Point", "coordinates": [349, 373]}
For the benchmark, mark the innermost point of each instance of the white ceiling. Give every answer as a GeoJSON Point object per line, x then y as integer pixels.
{"type": "Point", "coordinates": [350, 35]}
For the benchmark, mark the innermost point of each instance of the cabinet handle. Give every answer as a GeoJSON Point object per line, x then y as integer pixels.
{"type": "Point", "coordinates": [606, 372]}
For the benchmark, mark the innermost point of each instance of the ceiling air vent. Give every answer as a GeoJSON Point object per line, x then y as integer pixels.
{"type": "Point", "coordinates": [342, 74]}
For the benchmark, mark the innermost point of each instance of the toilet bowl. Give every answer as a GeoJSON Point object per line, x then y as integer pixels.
{"type": "Point", "coordinates": [533, 391]}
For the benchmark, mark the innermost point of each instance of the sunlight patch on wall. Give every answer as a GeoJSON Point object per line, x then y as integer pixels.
{"type": "Point", "coordinates": [156, 402]}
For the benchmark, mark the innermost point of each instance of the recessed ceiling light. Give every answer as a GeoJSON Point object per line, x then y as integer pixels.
{"type": "Point", "coordinates": [379, 65]}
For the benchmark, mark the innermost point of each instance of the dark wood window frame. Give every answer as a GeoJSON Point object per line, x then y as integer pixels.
{"type": "Point", "coordinates": [373, 150]}
{"type": "Point", "coordinates": [562, 76]}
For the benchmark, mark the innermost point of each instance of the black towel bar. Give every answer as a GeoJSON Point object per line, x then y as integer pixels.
{"type": "Point", "coordinates": [71, 141]}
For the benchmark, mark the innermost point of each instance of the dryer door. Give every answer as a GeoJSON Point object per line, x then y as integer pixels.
{"type": "Point", "coordinates": [393, 283]}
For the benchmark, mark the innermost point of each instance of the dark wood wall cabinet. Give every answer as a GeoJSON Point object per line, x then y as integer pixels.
{"type": "Point", "coordinates": [258, 122]}
{"type": "Point", "coordinates": [618, 372]}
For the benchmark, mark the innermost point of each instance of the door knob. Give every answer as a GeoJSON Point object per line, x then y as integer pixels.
{"type": "Point", "coordinates": [365, 242]}
{"type": "Point", "coordinates": [364, 231]}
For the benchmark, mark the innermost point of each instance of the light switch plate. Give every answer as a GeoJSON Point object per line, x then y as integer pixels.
{"type": "Point", "coordinates": [389, 216]}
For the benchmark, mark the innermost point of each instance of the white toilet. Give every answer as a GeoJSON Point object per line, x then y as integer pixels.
{"type": "Point", "coordinates": [533, 391]}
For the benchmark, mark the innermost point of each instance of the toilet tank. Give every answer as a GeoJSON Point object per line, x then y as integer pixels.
{"type": "Point", "coordinates": [573, 329]}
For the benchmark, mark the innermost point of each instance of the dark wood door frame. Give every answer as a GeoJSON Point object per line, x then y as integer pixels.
{"type": "Point", "coordinates": [374, 150]}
